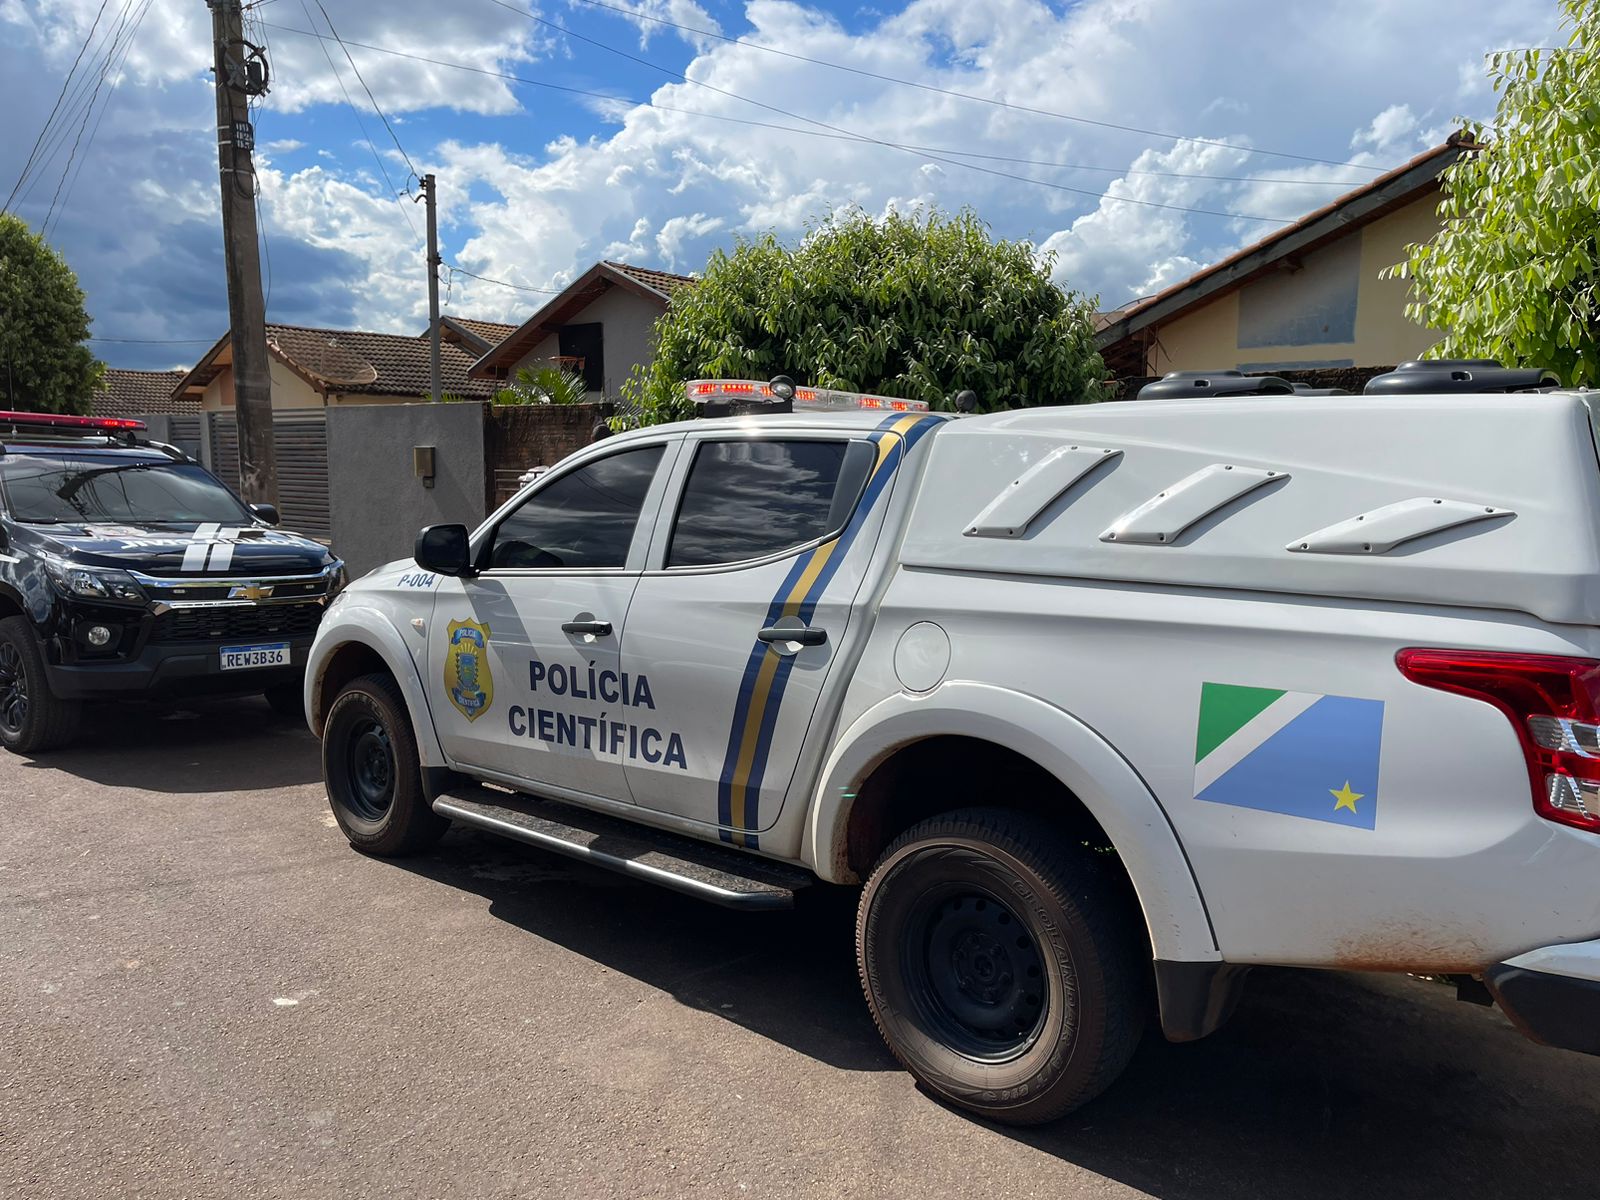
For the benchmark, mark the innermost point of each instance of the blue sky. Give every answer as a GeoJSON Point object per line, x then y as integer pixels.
{"type": "Point", "coordinates": [537, 182]}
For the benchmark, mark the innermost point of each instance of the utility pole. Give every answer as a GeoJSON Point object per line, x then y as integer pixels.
{"type": "Point", "coordinates": [434, 261]}
{"type": "Point", "coordinates": [241, 72]}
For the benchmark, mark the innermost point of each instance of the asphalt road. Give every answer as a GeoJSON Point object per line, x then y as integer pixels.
{"type": "Point", "coordinates": [205, 992]}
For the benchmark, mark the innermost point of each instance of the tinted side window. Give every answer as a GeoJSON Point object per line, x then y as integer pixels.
{"type": "Point", "coordinates": [749, 499]}
{"type": "Point", "coordinates": [584, 519]}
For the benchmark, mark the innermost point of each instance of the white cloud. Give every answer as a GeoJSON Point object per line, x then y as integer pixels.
{"type": "Point", "coordinates": [1390, 130]}
{"type": "Point", "coordinates": [685, 13]}
{"type": "Point", "coordinates": [523, 204]}
{"type": "Point", "coordinates": [679, 230]}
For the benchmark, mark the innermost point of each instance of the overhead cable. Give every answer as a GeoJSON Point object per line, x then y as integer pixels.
{"type": "Point", "coordinates": [635, 15]}
{"type": "Point", "coordinates": [970, 166]}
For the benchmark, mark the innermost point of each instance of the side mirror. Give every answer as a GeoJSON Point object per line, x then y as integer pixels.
{"type": "Point", "coordinates": [267, 512]}
{"type": "Point", "coordinates": [444, 549]}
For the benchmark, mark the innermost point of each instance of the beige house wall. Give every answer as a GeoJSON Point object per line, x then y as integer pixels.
{"type": "Point", "coordinates": [627, 323]}
{"type": "Point", "coordinates": [290, 391]}
{"type": "Point", "coordinates": [1209, 337]}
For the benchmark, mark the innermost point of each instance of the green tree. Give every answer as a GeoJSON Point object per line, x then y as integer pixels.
{"type": "Point", "coordinates": [917, 306]}
{"type": "Point", "coordinates": [1514, 273]}
{"type": "Point", "coordinates": [44, 366]}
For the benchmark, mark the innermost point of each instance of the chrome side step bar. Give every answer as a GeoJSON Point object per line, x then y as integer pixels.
{"type": "Point", "coordinates": [722, 876]}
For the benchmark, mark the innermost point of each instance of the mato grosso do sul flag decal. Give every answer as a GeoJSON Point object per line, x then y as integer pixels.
{"type": "Point", "coordinates": [1296, 753]}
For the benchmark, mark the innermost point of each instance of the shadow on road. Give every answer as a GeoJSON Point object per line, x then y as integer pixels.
{"type": "Point", "coordinates": [1323, 1084]}
{"type": "Point", "coordinates": [789, 976]}
{"type": "Point", "coordinates": [210, 746]}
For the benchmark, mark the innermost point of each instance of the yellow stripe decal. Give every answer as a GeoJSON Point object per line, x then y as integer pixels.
{"type": "Point", "coordinates": [756, 716]}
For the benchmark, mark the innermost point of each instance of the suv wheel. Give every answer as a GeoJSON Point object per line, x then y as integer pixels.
{"type": "Point", "coordinates": [32, 717]}
{"type": "Point", "coordinates": [1001, 965]}
{"type": "Point", "coordinates": [373, 774]}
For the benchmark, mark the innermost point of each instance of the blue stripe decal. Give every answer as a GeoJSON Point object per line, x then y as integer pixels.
{"type": "Point", "coordinates": [738, 800]}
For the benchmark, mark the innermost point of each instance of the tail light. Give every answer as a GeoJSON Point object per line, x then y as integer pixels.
{"type": "Point", "coordinates": [1553, 703]}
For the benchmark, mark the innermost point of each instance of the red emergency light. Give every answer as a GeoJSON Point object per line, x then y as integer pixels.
{"type": "Point", "coordinates": [23, 420]}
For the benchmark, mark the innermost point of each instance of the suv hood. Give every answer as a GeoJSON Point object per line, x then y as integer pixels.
{"type": "Point", "coordinates": [188, 550]}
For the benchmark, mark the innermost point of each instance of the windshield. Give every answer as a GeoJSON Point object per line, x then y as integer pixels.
{"type": "Point", "coordinates": [67, 489]}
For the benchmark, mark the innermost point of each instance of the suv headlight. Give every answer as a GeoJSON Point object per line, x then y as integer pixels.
{"type": "Point", "coordinates": [95, 583]}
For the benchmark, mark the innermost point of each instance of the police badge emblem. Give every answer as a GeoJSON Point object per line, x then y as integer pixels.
{"type": "Point", "coordinates": [467, 678]}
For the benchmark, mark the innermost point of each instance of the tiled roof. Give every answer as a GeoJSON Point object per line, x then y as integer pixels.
{"type": "Point", "coordinates": [354, 362]}
{"type": "Point", "coordinates": [128, 393]}
{"type": "Point", "coordinates": [490, 333]}
{"type": "Point", "coordinates": [664, 282]}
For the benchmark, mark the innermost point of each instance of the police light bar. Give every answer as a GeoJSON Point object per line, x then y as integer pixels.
{"type": "Point", "coordinates": [806, 399]}
{"type": "Point", "coordinates": [22, 420]}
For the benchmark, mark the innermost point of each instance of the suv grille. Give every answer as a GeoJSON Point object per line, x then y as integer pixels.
{"type": "Point", "coordinates": [237, 621]}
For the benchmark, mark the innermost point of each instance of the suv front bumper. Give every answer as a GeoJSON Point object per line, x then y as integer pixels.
{"type": "Point", "coordinates": [1552, 994]}
{"type": "Point", "coordinates": [169, 669]}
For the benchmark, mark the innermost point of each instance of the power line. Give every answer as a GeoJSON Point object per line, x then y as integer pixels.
{"type": "Point", "coordinates": [612, 98]}
{"type": "Point", "coordinates": [928, 87]}
{"type": "Point", "coordinates": [153, 341]}
{"type": "Point", "coordinates": [121, 41]}
{"type": "Point", "coordinates": [375, 107]}
{"type": "Point", "coordinates": [77, 89]}
{"type": "Point", "coordinates": [360, 124]}
{"type": "Point", "coordinates": [520, 287]}
{"type": "Point", "coordinates": [113, 69]}
{"type": "Point", "coordinates": [56, 107]}
{"type": "Point", "coordinates": [1060, 187]}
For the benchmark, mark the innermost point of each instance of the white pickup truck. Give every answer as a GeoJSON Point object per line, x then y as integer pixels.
{"type": "Point", "coordinates": [1099, 706]}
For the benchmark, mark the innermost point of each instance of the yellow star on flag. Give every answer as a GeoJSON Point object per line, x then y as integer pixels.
{"type": "Point", "coordinates": [1344, 797]}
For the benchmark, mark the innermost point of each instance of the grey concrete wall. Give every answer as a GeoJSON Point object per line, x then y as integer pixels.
{"type": "Point", "coordinates": [377, 501]}
{"type": "Point", "coordinates": [158, 427]}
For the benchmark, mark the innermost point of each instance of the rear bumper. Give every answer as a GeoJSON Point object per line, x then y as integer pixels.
{"type": "Point", "coordinates": [1552, 994]}
{"type": "Point", "coordinates": [176, 669]}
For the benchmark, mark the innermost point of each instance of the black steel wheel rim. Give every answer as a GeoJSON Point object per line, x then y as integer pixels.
{"type": "Point", "coordinates": [13, 689]}
{"type": "Point", "coordinates": [974, 973]}
{"type": "Point", "coordinates": [370, 769]}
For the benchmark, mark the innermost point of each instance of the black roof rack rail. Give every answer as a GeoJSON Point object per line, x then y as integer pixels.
{"type": "Point", "coordinates": [1189, 385]}
{"type": "Point", "coordinates": [1459, 376]}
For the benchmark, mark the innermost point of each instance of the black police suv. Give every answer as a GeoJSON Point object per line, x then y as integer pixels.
{"type": "Point", "coordinates": [129, 570]}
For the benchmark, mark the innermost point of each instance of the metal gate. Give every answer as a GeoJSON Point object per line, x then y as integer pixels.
{"type": "Point", "coordinates": [302, 443]}
{"type": "Point", "coordinates": [184, 432]}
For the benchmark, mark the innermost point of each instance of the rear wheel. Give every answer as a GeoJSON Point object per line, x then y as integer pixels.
{"type": "Point", "coordinates": [32, 717]}
{"type": "Point", "coordinates": [373, 773]}
{"type": "Point", "coordinates": [1001, 965]}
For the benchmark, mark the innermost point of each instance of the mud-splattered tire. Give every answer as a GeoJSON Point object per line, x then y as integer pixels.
{"type": "Point", "coordinates": [1002, 965]}
{"type": "Point", "coordinates": [373, 774]}
{"type": "Point", "coordinates": [32, 717]}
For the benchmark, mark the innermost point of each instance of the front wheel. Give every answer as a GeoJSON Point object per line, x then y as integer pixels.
{"type": "Point", "coordinates": [373, 774]}
{"type": "Point", "coordinates": [32, 717]}
{"type": "Point", "coordinates": [1001, 965]}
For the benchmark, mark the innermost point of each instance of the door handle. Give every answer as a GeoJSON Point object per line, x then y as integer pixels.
{"type": "Point", "coordinates": [804, 635]}
{"type": "Point", "coordinates": [589, 628]}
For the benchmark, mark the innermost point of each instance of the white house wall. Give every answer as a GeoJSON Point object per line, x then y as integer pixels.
{"type": "Point", "coordinates": [627, 323]}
